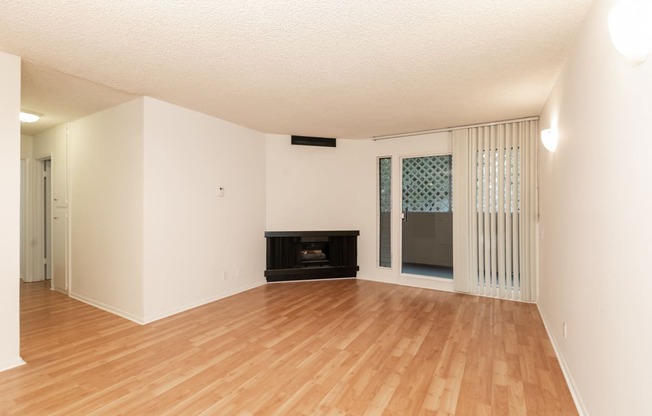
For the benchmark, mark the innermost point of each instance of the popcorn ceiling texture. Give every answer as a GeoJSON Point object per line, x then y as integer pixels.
{"type": "Point", "coordinates": [337, 68]}
{"type": "Point", "coordinates": [61, 97]}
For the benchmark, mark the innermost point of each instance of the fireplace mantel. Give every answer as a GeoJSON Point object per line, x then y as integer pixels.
{"type": "Point", "coordinates": [303, 255]}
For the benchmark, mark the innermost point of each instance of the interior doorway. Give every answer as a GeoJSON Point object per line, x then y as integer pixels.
{"type": "Point", "coordinates": [427, 216]}
{"type": "Point", "coordinates": [47, 219]}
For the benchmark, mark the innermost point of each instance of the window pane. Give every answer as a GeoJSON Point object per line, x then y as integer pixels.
{"type": "Point", "coordinates": [385, 214]}
{"type": "Point", "coordinates": [427, 184]}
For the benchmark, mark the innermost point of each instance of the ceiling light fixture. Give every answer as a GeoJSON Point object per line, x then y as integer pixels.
{"type": "Point", "coordinates": [29, 116]}
{"type": "Point", "coordinates": [630, 28]}
{"type": "Point", "coordinates": [550, 138]}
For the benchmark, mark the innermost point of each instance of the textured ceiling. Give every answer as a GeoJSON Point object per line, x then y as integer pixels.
{"type": "Point", "coordinates": [61, 97]}
{"type": "Point", "coordinates": [336, 68]}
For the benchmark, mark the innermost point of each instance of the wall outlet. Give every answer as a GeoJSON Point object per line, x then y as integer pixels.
{"type": "Point", "coordinates": [564, 330]}
{"type": "Point", "coordinates": [224, 277]}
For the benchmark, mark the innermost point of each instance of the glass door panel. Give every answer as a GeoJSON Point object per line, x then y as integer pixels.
{"type": "Point", "coordinates": [427, 217]}
{"type": "Point", "coordinates": [385, 212]}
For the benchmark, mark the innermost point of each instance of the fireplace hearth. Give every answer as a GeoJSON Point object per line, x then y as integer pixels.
{"type": "Point", "coordinates": [301, 255]}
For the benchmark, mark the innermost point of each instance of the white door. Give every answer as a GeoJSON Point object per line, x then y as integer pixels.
{"type": "Point", "coordinates": [58, 259]}
{"type": "Point", "coordinates": [47, 219]}
{"type": "Point", "coordinates": [51, 238]}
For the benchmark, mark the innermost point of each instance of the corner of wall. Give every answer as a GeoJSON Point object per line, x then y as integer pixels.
{"type": "Point", "coordinates": [200, 243]}
{"type": "Point", "coordinates": [9, 210]}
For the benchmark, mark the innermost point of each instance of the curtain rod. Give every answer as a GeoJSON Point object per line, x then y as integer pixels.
{"type": "Point", "coordinates": [448, 129]}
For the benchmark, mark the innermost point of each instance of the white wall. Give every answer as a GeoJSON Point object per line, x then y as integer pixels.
{"type": "Point", "coordinates": [314, 188]}
{"type": "Point", "coordinates": [321, 188]}
{"type": "Point", "coordinates": [198, 246]}
{"type": "Point", "coordinates": [52, 144]}
{"type": "Point", "coordinates": [106, 209]}
{"type": "Point", "coordinates": [595, 227]}
{"type": "Point", "coordinates": [9, 210]}
{"type": "Point", "coordinates": [148, 234]}
{"type": "Point", "coordinates": [26, 146]}
{"type": "Point", "coordinates": [311, 188]}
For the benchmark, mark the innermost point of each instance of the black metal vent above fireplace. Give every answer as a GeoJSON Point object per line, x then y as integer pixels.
{"type": "Point", "coordinates": [300, 255]}
{"type": "Point", "coordinates": [314, 141]}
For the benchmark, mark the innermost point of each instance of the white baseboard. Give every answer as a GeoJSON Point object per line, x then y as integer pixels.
{"type": "Point", "coordinates": [108, 308]}
{"type": "Point", "coordinates": [63, 292]}
{"type": "Point", "coordinates": [148, 319]}
{"type": "Point", "coordinates": [6, 365]}
{"type": "Point", "coordinates": [579, 404]}
{"type": "Point", "coordinates": [174, 311]}
{"type": "Point", "coordinates": [375, 278]}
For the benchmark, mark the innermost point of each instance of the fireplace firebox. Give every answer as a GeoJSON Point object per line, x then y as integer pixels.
{"type": "Point", "coordinates": [301, 255]}
{"type": "Point", "coordinates": [313, 251]}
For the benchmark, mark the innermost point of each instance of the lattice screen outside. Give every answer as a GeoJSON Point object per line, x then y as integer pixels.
{"type": "Point", "coordinates": [497, 177]}
{"type": "Point", "coordinates": [385, 178]}
{"type": "Point", "coordinates": [427, 184]}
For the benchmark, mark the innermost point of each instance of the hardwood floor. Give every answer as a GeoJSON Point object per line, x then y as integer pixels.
{"type": "Point", "coordinates": [346, 347]}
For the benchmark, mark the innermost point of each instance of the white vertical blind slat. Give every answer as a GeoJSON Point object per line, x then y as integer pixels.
{"type": "Point", "coordinates": [492, 208]}
{"type": "Point", "coordinates": [522, 218]}
{"type": "Point", "coordinates": [530, 220]}
{"type": "Point", "coordinates": [515, 217]}
{"type": "Point", "coordinates": [478, 198]}
{"type": "Point", "coordinates": [509, 191]}
{"type": "Point", "coordinates": [500, 236]}
{"type": "Point", "coordinates": [486, 236]}
{"type": "Point", "coordinates": [473, 211]}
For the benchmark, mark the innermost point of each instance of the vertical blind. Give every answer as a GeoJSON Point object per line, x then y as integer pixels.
{"type": "Point", "coordinates": [494, 193]}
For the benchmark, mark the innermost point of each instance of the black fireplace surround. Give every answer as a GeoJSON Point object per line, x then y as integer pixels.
{"type": "Point", "coordinates": [302, 255]}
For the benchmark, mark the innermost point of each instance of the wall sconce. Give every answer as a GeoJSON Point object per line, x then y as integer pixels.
{"type": "Point", "coordinates": [550, 138]}
{"type": "Point", "coordinates": [631, 29]}
{"type": "Point", "coordinates": [29, 116]}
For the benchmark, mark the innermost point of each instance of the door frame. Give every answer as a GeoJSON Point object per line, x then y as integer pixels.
{"type": "Point", "coordinates": [37, 214]}
{"type": "Point", "coordinates": [437, 283]}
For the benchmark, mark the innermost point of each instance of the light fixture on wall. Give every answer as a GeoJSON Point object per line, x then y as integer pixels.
{"type": "Point", "coordinates": [549, 138]}
{"type": "Point", "coordinates": [29, 116]}
{"type": "Point", "coordinates": [630, 28]}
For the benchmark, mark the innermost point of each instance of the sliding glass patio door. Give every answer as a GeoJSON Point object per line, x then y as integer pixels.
{"type": "Point", "coordinates": [427, 216]}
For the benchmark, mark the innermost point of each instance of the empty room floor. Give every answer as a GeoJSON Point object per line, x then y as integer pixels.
{"type": "Point", "coordinates": [346, 347]}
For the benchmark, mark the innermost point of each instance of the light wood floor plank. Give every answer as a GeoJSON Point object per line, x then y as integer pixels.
{"type": "Point", "coordinates": [345, 347]}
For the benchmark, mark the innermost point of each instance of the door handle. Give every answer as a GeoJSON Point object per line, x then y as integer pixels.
{"type": "Point", "coordinates": [405, 215]}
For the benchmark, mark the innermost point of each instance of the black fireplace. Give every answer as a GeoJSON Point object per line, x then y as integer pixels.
{"type": "Point", "coordinates": [300, 255]}
{"type": "Point", "coordinates": [313, 251]}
